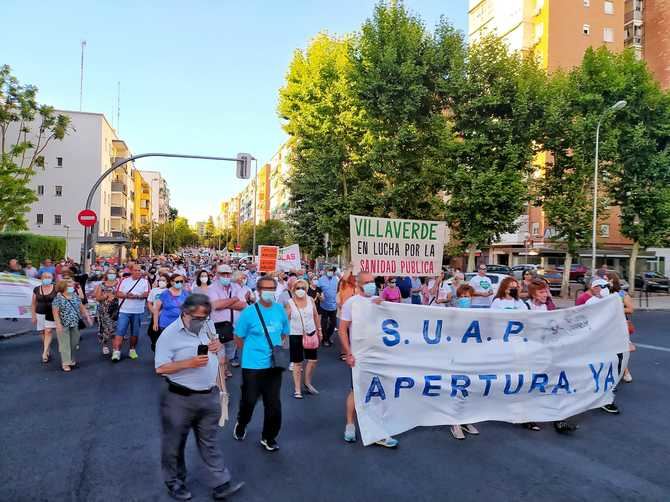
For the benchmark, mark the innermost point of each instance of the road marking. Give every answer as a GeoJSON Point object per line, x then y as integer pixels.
{"type": "Point", "coordinates": [652, 347]}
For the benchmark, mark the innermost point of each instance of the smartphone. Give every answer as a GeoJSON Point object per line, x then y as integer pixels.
{"type": "Point", "coordinates": [202, 350]}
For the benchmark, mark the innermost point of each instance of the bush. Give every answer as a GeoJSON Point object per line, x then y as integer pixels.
{"type": "Point", "coordinates": [24, 246]}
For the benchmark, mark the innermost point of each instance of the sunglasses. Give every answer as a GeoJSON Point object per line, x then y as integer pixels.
{"type": "Point", "coordinates": [301, 288]}
{"type": "Point", "coordinates": [179, 282]}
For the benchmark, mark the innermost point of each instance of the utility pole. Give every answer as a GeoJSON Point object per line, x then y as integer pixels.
{"type": "Point", "coordinates": [81, 76]}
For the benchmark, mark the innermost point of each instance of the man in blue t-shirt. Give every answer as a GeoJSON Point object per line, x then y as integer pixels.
{"type": "Point", "coordinates": [259, 378]}
{"type": "Point", "coordinates": [328, 306]}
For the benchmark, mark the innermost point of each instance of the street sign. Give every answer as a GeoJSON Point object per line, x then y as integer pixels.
{"type": "Point", "coordinates": [87, 217]}
{"type": "Point", "coordinates": [244, 165]}
{"type": "Point", "coordinates": [238, 247]}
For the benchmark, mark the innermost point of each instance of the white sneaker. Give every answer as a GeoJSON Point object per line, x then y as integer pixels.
{"type": "Point", "coordinates": [116, 356]}
{"type": "Point", "coordinates": [105, 350]}
{"type": "Point", "coordinates": [350, 433]}
{"type": "Point", "coordinates": [290, 367]}
{"type": "Point", "coordinates": [457, 432]}
{"type": "Point", "coordinates": [470, 429]}
{"type": "Point", "coordinates": [132, 353]}
{"type": "Point", "coordinates": [388, 442]}
{"type": "Point", "coordinates": [627, 377]}
{"type": "Point", "coordinates": [311, 389]}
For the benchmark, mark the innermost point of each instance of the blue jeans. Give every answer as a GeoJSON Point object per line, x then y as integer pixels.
{"type": "Point", "coordinates": [125, 320]}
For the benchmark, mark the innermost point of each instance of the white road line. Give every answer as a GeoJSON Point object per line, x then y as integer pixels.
{"type": "Point", "coordinates": [652, 347]}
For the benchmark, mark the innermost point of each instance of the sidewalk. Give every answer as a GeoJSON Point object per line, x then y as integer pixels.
{"type": "Point", "coordinates": [654, 302]}
{"type": "Point", "coordinates": [9, 328]}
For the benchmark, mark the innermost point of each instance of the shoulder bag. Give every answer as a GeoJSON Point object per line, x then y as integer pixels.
{"type": "Point", "coordinates": [309, 340]}
{"type": "Point", "coordinates": [225, 328]}
{"type": "Point", "coordinates": [278, 356]}
{"type": "Point", "coordinates": [115, 307]}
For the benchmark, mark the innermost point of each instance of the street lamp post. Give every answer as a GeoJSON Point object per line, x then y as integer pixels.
{"type": "Point", "coordinates": [67, 238]}
{"type": "Point", "coordinates": [253, 245]}
{"type": "Point", "coordinates": [614, 108]}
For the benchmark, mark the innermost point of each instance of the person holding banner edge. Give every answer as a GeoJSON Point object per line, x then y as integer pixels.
{"type": "Point", "coordinates": [366, 292]}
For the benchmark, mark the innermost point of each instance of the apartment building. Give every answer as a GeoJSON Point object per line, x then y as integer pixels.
{"type": "Point", "coordinates": [558, 32]}
{"type": "Point", "coordinates": [141, 200]}
{"type": "Point", "coordinates": [160, 195]}
{"type": "Point", "coordinates": [647, 32]}
{"type": "Point", "coordinates": [280, 169]}
{"type": "Point", "coordinates": [72, 166]}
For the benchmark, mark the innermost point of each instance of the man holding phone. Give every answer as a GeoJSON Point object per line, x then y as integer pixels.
{"type": "Point", "coordinates": [186, 354]}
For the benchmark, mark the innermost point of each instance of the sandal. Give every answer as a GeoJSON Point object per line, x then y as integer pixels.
{"type": "Point", "coordinates": [297, 395]}
{"type": "Point", "coordinates": [343, 357]}
{"type": "Point", "coordinates": [564, 427]}
{"type": "Point", "coordinates": [66, 369]}
{"type": "Point", "coordinates": [531, 426]}
{"type": "Point", "coordinates": [46, 359]}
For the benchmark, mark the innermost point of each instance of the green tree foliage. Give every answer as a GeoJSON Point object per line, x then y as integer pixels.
{"type": "Point", "coordinates": [26, 128]}
{"type": "Point", "coordinates": [24, 246]}
{"type": "Point", "coordinates": [496, 112]}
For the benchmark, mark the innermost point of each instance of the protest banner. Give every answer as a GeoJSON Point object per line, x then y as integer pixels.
{"type": "Point", "coordinates": [267, 258]}
{"type": "Point", "coordinates": [289, 258]}
{"type": "Point", "coordinates": [427, 366]}
{"type": "Point", "coordinates": [384, 246]}
{"type": "Point", "coordinates": [16, 295]}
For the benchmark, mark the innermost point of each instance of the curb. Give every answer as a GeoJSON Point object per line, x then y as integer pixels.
{"type": "Point", "coordinates": [4, 336]}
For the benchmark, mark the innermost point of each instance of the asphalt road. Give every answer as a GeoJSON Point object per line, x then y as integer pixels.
{"type": "Point", "coordinates": [93, 435]}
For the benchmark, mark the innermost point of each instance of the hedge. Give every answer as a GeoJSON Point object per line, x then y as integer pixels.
{"type": "Point", "coordinates": [25, 246]}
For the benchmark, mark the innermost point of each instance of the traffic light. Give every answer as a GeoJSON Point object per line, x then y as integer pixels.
{"type": "Point", "coordinates": [244, 166]}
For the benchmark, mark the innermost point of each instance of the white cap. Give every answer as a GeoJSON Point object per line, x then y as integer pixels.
{"type": "Point", "coordinates": [599, 282]}
{"type": "Point", "coordinates": [224, 269]}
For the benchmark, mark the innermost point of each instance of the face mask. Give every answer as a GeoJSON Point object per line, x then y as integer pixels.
{"type": "Point", "coordinates": [268, 296]}
{"type": "Point", "coordinates": [195, 325]}
{"type": "Point", "coordinates": [178, 285]}
{"type": "Point", "coordinates": [111, 277]}
{"type": "Point", "coordinates": [162, 284]}
{"type": "Point", "coordinates": [514, 292]}
{"type": "Point", "coordinates": [225, 281]}
{"type": "Point", "coordinates": [47, 282]}
{"type": "Point", "coordinates": [465, 302]}
{"type": "Point", "coordinates": [604, 292]}
{"type": "Point", "coordinates": [70, 289]}
{"type": "Point", "coordinates": [300, 293]}
{"type": "Point", "coordinates": [329, 274]}
{"type": "Point", "coordinates": [204, 279]}
{"type": "Point", "coordinates": [369, 289]}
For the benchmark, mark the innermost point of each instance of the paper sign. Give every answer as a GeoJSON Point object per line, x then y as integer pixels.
{"type": "Point", "coordinates": [289, 258]}
{"type": "Point", "coordinates": [267, 258]}
{"type": "Point", "coordinates": [397, 247]}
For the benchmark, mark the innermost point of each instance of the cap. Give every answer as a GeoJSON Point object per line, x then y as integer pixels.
{"type": "Point", "coordinates": [224, 269]}
{"type": "Point", "coordinates": [599, 282]}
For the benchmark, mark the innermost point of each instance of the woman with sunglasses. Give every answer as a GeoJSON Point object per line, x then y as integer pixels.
{"type": "Point", "coordinates": [391, 293]}
{"type": "Point", "coordinates": [305, 321]}
{"type": "Point", "coordinates": [168, 305]}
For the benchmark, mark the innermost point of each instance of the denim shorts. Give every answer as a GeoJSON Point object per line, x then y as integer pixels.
{"type": "Point", "coordinates": [126, 320]}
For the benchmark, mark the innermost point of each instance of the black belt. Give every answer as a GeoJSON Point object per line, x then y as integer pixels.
{"type": "Point", "coordinates": [185, 391]}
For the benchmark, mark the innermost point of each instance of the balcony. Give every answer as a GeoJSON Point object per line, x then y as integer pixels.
{"type": "Point", "coordinates": [119, 187]}
{"type": "Point", "coordinates": [118, 212]}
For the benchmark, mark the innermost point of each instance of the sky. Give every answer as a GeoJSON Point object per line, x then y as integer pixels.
{"type": "Point", "coordinates": [198, 77]}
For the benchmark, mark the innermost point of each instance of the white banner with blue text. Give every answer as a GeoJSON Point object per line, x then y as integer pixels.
{"type": "Point", "coordinates": [426, 366]}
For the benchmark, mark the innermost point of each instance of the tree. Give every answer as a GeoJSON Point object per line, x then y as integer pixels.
{"type": "Point", "coordinates": [272, 233]}
{"type": "Point", "coordinates": [172, 213]}
{"type": "Point", "coordinates": [210, 231]}
{"type": "Point", "coordinates": [20, 147]}
{"type": "Point", "coordinates": [640, 177]}
{"type": "Point", "coordinates": [496, 112]}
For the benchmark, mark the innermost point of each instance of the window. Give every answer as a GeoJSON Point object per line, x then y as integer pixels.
{"type": "Point", "coordinates": [40, 189]}
{"type": "Point", "coordinates": [608, 34]}
{"type": "Point", "coordinates": [604, 230]}
{"type": "Point", "coordinates": [59, 161]}
{"type": "Point", "coordinates": [586, 29]}
{"type": "Point", "coordinates": [535, 229]}
{"type": "Point", "coordinates": [39, 220]}
{"type": "Point", "coordinates": [609, 7]}
{"type": "Point", "coordinates": [587, 3]}
{"type": "Point", "coordinates": [57, 219]}
{"type": "Point", "coordinates": [59, 191]}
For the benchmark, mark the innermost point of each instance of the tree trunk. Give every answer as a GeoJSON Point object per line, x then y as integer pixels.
{"type": "Point", "coordinates": [631, 267]}
{"type": "Point", "coordinates": [472, 249]}
{"type": "Point", "coordinates": [345, 256]}
{"type": "Point", "coordinates": [565, 284]}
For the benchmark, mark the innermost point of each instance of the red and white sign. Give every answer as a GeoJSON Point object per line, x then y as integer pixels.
{"type": "Point", "coordinates": [87, 217]}
{"type": "Point", "coordinates": [289, 258]}
{"type": "Point", "coordinates": [238, 247]}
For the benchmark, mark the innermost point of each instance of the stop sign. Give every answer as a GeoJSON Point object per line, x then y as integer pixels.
{"type": "Point", "coordinates": [238, 247]}
{"type": "Point", "coordinates": [87, 217]}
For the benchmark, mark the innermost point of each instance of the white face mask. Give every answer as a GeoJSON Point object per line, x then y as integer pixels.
{"type": "Point", "coordinates": [604, 292]}
{"type": "Point", "coordinates": [162, 284]}
{"type": "Point", "coordinates": [300, 293]}
{"type": "Point", "coordinates": [204, 279]}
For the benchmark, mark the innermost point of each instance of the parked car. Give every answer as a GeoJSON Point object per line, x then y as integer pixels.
{"type": "Point", "coordinates": [498, 269]}
{"type": "Point", "coordinates": [554, 278]}
{"type": "Point", "coordinates": [654, 281]}
{"type": "Point", "coordinates": [496, 279]}
{"type": "Point", "coordinates": [519, 270]}
{"type": "Point", "coordinates": [577, 272]}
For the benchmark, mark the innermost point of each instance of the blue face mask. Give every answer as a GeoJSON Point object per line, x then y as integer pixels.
{"type": "Point", "coordinates": [369, 289]}
{"type": "Point", "coordinates": [464, 302]}
{"type": "Point", "coordinates": [47, 282]}
{"type": "Point", "coordinates": [225, 281]}
{"type": "Point", "coordinates": [329, 274]}
{"type": "Point", "coordinates": [70, 289]}
{"type": "Point", "coordinates": [178, 285]}
{"type": "Point", "coordinates": [268, 296]}
{"type": "Point", "coordinates": [111, 277]}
